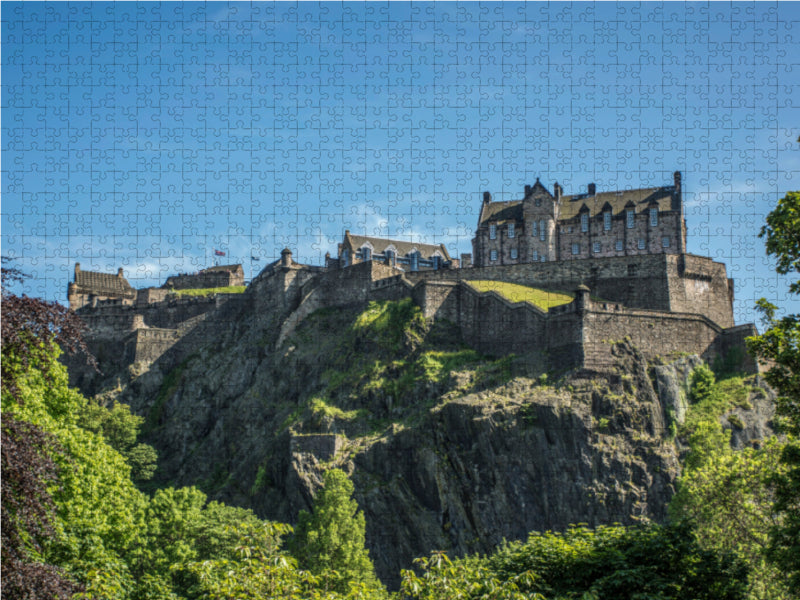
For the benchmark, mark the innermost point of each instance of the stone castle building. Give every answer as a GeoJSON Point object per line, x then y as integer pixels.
{"type": "Point", "coordinates": [90, 287]}
{"type": "Point", "coordinates": [409, 256]}
{"type": "Point", "coordinates": [621, 255]}
{"type": "Point", "coordinates": [546, 227]}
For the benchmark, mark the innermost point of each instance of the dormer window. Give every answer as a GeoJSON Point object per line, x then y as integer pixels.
{"type": "Point", "coordinates": [584, 222]}
{"type": "Point", "coordinates": [511, 230]}
{"type": "Point", "coordinates": [492, 232]}
{"type": "Point", "coordinates": [653, 217]}
{"type": "Point", "coordinates": [607, 220]}
{"type": "Point", "coordinates": [366, 253]}
{"type": "Point", "coordinates": [629, 218]}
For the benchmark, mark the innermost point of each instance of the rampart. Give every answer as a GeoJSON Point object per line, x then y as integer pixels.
{"type": "Point", "coordinates": [577, 334]}
{"type": "Point", "coordinates": [677, 283]}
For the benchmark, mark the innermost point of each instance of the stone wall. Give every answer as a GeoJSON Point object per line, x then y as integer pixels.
{"type": "Point", "coordinates": [677, 283]}
{"type": "Point", "coordinates": [323, 446]}
{"type": "Point", "coordinates": [152, 343]}
{"type": "Point", "coordinates": [699, 285]}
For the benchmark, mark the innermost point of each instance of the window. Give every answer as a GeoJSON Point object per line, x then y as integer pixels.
{"type": "Point", "coordinates": [543, 258]}
{"type": "Point", "coordinates": [493, 255]}
{"type": "Point", "coordinates": [437, 260]}
{"type": "Point", "coordinates": [576, 248]}
{"type": "Point", "coordinates": [542, 230]}
{"type": "Point", "coordinates": [585, 222]}
{"type": "Point", "coordinates": [653, 217]}
{"type": "Point", "coordinates": [538, 202]}
{"type": "Point", "coordinates": [514, 253]}
{"type": "Point", "coordinates": [665, 241]}
{"type": "Point", "coordinates": [492, 232]}
{"type": "Point", "coordinates": [618, 245]}
{"type": "Point", "coordinates": [629, 218]}
{"type": "Point", "coordinates": [607, 220]}
{"type": "Point", "coordinates": [413, 260]}
{"type": "Point", "coordinates": [366, 253]}
{"type": "Point", "coordinates": [389, 254]}
{"type": "Point", "coordinates": [535, 229]}
{"type": "Point", "coordinates": [511, 230]}
{"type": "Point", "coordinates": [596, 247]}
{"type": "Point", "coordinates": [640, 243]}
{"type": "Point", "coordinates": [535, 255]}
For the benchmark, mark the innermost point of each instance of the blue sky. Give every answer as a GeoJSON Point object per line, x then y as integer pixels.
{"type": "Point", "coordinates": [148, 135]}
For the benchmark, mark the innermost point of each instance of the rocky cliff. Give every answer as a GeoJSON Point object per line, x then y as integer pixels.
{"type": "Point", "coordinates": [448, 449]}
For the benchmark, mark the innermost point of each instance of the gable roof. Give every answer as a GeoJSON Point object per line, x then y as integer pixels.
{"type": "Point", "coordinates": [502, 211]}
{"type": "Point", "coordinates": [103, 284]}
{"type": "Point", "coordinates": [379, 245]}
{"type": "Point", "coordinates": [643, 198]}
{"type": "Point", "coordinates": [570, 206]}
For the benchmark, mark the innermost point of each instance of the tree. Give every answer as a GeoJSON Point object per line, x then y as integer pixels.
{"type": "Point", "coordinates": [330, 541]}
{"type": "Point", "coordinates": [780, 346]}
{"type": "Point", "coordinates": [29, 327]}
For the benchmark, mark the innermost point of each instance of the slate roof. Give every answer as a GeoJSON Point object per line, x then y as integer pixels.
{"type": "Point", "coordinates": [403, 248]}
{"type": "Point", "coordinates": [570, 206]}
{"type": "Point", "coordinates": [103, 284]}
{"type": "Point", "coordinates": [502, 211]}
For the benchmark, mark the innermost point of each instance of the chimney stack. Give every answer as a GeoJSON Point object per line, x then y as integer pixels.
{"type": "Point", "coordinates": [487, 197]}
{"type": "Point", "coordinates": [592, 189]}
{"type": "Point", "coordinates": [527, 191]}
{"type": "Point", "coordinates": [557, 191]}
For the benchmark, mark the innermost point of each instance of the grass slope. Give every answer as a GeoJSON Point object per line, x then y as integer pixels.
{"type": "Point", "coordinates": [544, 299]}
{"type": "Point", "coordinates": [231, 289]}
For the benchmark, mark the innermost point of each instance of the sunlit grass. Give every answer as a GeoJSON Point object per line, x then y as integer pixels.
{"type": "Point", "coordinates": [230, 289]}
{"type": "Point", "coordinates": [544, 299]}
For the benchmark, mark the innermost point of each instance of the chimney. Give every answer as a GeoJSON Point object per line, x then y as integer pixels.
{"type": "Point", "coordinates": [558, 191]}
{"type": "Point", "coordinates": [592, 189]}
{"type": "Point", "coordinates": [119, 273]}
{"type": "Point", "coordinates": [527, 191]}
{"type": "Point", "coordinates": [487, 197]}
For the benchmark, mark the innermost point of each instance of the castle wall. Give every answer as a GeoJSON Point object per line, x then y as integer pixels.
{"type": "Point", "coordinates": [636, 281]}
{"type": "Point", "coordinates": [698, 284]}
{"type": "Point", "coordinates": [654, 333]}
{"type": "Point", "coordinates": [149, 344]}
{"type": "Point", "coordinates": [202, 280]}
{"type": "Point", "coordinates": [678, 283]}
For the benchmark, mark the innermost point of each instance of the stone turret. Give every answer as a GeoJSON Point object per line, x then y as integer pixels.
{"type": "Point", "coordinates": [286, 258]}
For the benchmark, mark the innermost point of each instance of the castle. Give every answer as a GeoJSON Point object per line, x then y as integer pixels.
{"type": "Point", "coordinates": [620, 254]}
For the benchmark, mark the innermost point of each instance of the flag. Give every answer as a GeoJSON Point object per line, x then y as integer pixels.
{"type": "Point", "coordinates": [218, 252]}
{"type": "Point", "coordinates": [254, 258]}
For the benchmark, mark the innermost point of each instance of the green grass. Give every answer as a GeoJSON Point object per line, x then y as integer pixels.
{"type": "Point", "coordinates": [514, 292]}
{"type": "Point", "coordinates": [231, 289]}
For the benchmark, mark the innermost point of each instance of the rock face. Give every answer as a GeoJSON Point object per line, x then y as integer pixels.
{"type": "Point", "coordinates": [448, 450]}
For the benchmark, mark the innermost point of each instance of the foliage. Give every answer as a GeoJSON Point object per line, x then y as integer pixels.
{"type": "Point", "coordinates": [330, 541]}
{"type": "Point", "coordinates": [651, 562]}
{"type": "Point", "coordinates": [544, 299]}
{"type": "Point", "coordinates": [31, 325]}
{"type": "Point", "coordinates": [230, 289]}
{"type": "Point", "coordinates": [779, 345]}
{"type": "Point", "coordinates": [27, 517]}
{"type": "Point", "coordinates": [727, 498]}
{"type": "Point", "coordinates": [120, 428]}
